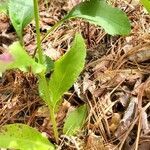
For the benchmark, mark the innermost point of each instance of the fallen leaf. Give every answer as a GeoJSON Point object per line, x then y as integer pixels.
{"type": "Point", "coordinates": [128, 115]}
{"type": "Point", "coordinates": [145, 124]}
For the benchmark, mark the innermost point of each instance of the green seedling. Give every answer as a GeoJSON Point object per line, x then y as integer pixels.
{"type": "Point", "coordinates": [65, 70]}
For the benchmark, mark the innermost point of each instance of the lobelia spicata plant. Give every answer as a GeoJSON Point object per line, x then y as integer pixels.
{"type": "Point", "coordinates": [65, 70]}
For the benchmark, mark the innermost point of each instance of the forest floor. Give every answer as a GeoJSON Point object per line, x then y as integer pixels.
{"type": "Point", "coordinates": [115, 82]}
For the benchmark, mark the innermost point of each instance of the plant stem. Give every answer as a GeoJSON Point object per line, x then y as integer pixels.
{"type": "Point", "coordinates": [47, 100]}
{"type": "Point", "coordinates": [54, 123]}
{"type": "Point", "coordinates": [38, 35]}
{"type": "Point", "coordinates": [21, 40]}
{"type": "Point", "coordinates": [49, 32]}
{"type": "Point", "coordinates": [42, 75]}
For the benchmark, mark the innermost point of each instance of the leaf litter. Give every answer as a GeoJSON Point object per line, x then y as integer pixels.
{"type": "Point", "coordinates": [115, 82]}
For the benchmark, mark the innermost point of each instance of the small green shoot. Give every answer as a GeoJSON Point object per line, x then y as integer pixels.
{"type": "Point", "coordinates": [66, 71]}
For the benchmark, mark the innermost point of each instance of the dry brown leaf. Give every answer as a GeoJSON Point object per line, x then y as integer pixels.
{"type": "Point", "coordinates": [95, 142]}
{"type": "Point", "coordinates": [88, 84]}
{"type": "Point", "coordinates": [141, 56]}
{"type": "Point", "coordinates": [144, 145]}
{"type": "Point", "coordinates": [51, 52]}
{"type": "Point", "coordinates": [147, 89]}
{"type": "Point", "coordinates": [4, 22]}
{"type": "Point", "coordinates": [128, 115]}
{"type": "Point", "coordinates": [42, 111]}
{"type": "Point", "coordinates": [145, 123]}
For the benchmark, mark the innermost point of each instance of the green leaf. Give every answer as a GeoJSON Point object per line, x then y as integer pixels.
{"type": "Point", "coordinates": [146, 4]}
{"type": "Point", "coordinates": [98, 12]}
{"type": "Point", "coordinates": [49, 63]}
{"type": "Point", "coordinates": [21, 60]}
{"type": "Point", "coordinates": [75, 120]}
{"type": "Point", "coordinates": [42, 90]}
{"type": "Point", "coordinates": [4, 6]}
{"type": "Point", "coordinates": [23, 137]}
{"type": "Point", "coordinates": [21, 13]}
{"type": "Point", "coordinates": [67, 69]}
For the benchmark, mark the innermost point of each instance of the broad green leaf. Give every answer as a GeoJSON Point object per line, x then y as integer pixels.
{"type": "Point", "coordinates": [23, 137]}
{"type": "Point", "coordinates": [146, 4]}
{"type": "Point", "coordinates": [21, 12]}
{"type": "Point", "coordinates": [67, 69]}
{"type": "Point", "coordinates": [20, 59]}
{"type": "Point", "coordinates": [75, 120]}
{"type": "Point", "coordinates": [98, 12]}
